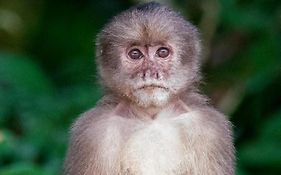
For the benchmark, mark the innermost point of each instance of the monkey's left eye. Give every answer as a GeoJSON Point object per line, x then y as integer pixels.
{"type": "Point", "coordinates": [135, 54]}
{"type": "Point", "coordinates": [163, 52]}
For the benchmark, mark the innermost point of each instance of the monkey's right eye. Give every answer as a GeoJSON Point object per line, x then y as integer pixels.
{"type": "Point", "coordinates": [135, 54]}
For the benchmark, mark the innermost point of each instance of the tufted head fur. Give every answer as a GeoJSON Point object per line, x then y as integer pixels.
{"type": "Point", "coordinates": [148, 25]}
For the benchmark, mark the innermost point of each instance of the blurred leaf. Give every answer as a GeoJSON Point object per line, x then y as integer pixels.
{"type": "Point", "coordinates": [263, 63]}
{"type": "Point", "coordinates": [272, 127]}
{"type": "Point", "coordinates": [247, 18]}
{"type": "Point", "coordinates": [22, 74]}
{"type": "Point", "coordinates": [7, 145]}
{"type": "Point", "coordinates": [23, 169]}
{"type": "Point", "coordinates": [265, 150]}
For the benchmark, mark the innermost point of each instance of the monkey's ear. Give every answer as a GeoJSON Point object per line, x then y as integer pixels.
{"type": "Point", "coordinates": [99, 49]}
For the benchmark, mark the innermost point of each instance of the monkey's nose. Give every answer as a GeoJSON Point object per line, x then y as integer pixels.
{"type": "Point", "coordinates": [150, 74]}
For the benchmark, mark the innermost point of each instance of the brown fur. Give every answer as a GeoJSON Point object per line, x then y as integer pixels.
{"type": "Point", "coordinates": [184, 136]}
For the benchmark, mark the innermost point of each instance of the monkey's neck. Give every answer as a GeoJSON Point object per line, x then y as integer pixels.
{"type": "Point", "coordinates": [149, 112]}
{"type": "Point", "coordinates": [132, 110]}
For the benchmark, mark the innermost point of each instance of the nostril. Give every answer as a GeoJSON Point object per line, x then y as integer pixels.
{"type": "Point", "coordinates": [157, 75]}
{"type": "Point", "coordinates": [143, 75]}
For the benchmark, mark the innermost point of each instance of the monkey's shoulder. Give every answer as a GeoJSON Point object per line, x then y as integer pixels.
{"type": "Point", "coordinates": [104, 106]}
{"type": "Point", "coordinates": [204, 122]}
{"type": "Point", "coordinates": [207, 113]}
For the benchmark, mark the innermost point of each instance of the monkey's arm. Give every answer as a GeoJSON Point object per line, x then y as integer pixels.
{"type": "Point", "coordinates": [94, 147]}
{"type": "Point", "coordinates": [207, 136]}
{"type": "Point", "coordinates": [91, 135]}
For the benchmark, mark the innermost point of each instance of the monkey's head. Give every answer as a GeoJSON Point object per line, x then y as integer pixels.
{"type": "Point", "coordinates": [148, 54]}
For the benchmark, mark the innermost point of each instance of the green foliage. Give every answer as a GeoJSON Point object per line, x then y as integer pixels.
{"type": "Point", "coordinates": [34, 117]}
{"type": "Point", "coordinates": [48, 77]}
{"type": "Point", "coordinates": [23, 169]}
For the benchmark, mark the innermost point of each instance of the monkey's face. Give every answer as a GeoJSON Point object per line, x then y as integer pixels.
{"type": "Point", "coordinates": [147, 70]}
{"type": "Point", "coordinates": [148, 56]}
{"type": "Point", "coordinates": [151, 74]}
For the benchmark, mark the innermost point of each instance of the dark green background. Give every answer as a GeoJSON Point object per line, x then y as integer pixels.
{"type": "Point", "coordinates": [48, 77]}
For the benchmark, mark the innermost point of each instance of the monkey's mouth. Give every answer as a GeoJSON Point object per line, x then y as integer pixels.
{"type": "Point", "coordinates": [152, 87]}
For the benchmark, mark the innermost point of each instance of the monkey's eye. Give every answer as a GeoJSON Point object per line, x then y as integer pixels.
{"type": "Point", "coordinates": [135, 54]}
{"type": "Point", "coordinates": [163, 52]}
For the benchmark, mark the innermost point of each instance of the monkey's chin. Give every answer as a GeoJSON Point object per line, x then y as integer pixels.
{"type": "Point", "coordinates": [157, 97]}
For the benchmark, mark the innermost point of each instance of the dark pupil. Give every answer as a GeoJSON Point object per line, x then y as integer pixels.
{"type": "Point", "coordinates": [135, 54]}
{"type": "Point", "coordinates": [163, 52]}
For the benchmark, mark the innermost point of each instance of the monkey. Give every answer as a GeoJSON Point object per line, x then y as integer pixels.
{"type": "Point", "coordinates": [153, 119]}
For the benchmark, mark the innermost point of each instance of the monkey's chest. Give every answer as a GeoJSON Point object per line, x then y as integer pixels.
{"type": "Point", "coordinates": [154, 149]}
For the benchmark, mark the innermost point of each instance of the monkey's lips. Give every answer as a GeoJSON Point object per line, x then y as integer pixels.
{"type": "Point", "coordinates": [152, 87]}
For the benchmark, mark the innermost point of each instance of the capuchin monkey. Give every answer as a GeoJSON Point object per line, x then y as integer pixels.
{"type": "Point", "coordinates": [152, 119]}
